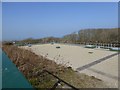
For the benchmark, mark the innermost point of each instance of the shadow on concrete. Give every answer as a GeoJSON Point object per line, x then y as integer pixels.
{"type": "Point", "coordinates": [103, 73]}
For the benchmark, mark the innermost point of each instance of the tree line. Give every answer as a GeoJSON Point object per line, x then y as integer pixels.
{"type": "Point", "coordinates": [93, 36]}
{"type": "Point", "coordinates": [84, 36]}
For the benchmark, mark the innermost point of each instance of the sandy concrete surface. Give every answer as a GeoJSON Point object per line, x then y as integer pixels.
{"type": "Point", "coordinates": [77, 57]}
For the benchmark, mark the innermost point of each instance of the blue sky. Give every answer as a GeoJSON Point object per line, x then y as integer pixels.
{"type": "Point", "coordinates": [0, 22]}
{"type": "Point", "coordinates": [39, 19]}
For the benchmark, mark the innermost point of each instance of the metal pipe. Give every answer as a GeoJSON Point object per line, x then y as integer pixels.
{"type": "Point", "coordinates": [61, 80]}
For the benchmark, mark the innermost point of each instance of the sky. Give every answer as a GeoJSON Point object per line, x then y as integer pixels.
{"type": "Point", "coordinates": [0, 21]}
{"type": "Point", "coordinates": [22, 20]}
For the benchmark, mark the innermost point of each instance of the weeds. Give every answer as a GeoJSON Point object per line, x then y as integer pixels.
{"type": "Point", "coordinates": [31, 65]}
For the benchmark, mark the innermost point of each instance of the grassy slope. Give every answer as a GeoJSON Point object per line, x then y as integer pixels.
{"type": "Point", "coordinates": [31, 65]}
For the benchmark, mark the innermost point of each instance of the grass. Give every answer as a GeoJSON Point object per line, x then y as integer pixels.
{"type": "Point", "coordinates": [31, 65]}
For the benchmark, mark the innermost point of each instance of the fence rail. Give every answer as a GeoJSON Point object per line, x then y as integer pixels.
{"type": "Point", "coordinates": [59, 80]}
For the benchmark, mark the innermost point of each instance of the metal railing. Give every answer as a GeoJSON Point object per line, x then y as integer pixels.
{"type": "Point", "coordinates": [59, 80]}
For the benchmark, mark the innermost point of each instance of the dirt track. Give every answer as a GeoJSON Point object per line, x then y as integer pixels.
{"type": "Point", "coordinates": [77, 57]}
